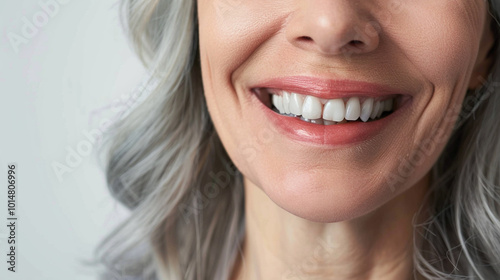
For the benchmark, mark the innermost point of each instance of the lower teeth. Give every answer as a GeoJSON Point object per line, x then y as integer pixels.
{"type": "Point", "coordinates": [316, 121]}
{"type": "Point", "coordinates": [326, 122]}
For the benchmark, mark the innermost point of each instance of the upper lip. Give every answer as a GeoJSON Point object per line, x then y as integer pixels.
{"type": "Point", "coordinates": [328, 88]}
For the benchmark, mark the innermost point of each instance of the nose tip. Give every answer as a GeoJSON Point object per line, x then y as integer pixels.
{"type": "Point", "coordinates": [332, 28]}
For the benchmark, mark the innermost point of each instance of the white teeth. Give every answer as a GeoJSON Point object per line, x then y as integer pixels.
{"type": "Point", "coordinates": [376, 108]}
{"type": "Point", "coordinates": [334, 110]}
{"type": "Point", "coordinates": [278, 103]}
{"type": "Point", "coordinates": [296, 102]}
{"type": "Point", "coordinates": [330, 111]}
{"type": "Point", "coordinates": [311, 109]}
{"type": "Point", "coordinates": [381, 109]}
{"type": "Point", "coordinates": [286, 102]}
{"type": "Point", "coordinates": [352, 109]}
{"type": "Point", "coordinates": [366, 109]}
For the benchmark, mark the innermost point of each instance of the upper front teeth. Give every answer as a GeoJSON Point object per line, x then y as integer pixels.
{"type": "Point", "coordinates": [336, 110]}
{"type": "Point", "coordinates": [311, 109]}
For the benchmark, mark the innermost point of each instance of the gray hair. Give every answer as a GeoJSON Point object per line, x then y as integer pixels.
{"type": "Point", "coordinates": [186, 196]}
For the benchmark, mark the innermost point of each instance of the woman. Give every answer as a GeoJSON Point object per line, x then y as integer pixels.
{"type": "Point", "coordinates": [326, 139]}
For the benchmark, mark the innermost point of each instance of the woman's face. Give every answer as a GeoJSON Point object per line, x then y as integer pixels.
{"type": "Point", "coordinates": [343, 61]}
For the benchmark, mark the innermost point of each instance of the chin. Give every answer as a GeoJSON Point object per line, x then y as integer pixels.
{"type": "Point", "coordinates": [326, 198]}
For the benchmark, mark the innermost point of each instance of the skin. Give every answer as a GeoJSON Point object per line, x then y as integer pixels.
{"type": "Point", "coordinates": [316, 212]}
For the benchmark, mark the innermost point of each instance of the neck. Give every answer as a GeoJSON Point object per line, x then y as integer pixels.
{"type": "Point", "coordinates": [279, 245]}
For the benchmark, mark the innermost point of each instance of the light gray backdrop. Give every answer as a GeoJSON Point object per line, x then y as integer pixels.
{"type": "Point", "coordinates": [66, 72]}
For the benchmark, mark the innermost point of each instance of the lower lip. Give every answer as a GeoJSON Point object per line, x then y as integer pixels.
{"type": "Point", "coordinates": [327, 135]}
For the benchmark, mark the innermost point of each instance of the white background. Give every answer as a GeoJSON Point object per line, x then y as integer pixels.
{"type": "Point", "coordinates": [56, 88]}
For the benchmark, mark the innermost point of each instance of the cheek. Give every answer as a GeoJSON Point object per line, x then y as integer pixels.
{"type": "Point", "coordinates": [230, 31]}
{"type": "Point", "coordinates": [441, 41]}
{"type": "Point", "coordinates": [440, 37]}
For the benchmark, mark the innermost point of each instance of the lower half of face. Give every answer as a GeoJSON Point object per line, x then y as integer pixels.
{"type": "Point", "coordinates": [333, 108]}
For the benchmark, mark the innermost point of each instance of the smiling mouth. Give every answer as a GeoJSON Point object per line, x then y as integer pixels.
{"type": "Point", "coordinates": [321, 111]}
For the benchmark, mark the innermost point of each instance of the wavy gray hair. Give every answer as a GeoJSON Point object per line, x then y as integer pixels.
{"type": "Point", "coordinates": [186, 196]}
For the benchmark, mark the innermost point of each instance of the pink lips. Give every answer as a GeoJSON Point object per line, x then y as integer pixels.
{"type": "Point", "coordinates": [329, 89]}
{"type": "Point", "coordinates": [328, 135]}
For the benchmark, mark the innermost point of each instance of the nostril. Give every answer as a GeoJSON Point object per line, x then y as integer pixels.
{"type": "Point", "coordinates": [356, 43]}
{"type": "Point", "coordinates": [305, 38]}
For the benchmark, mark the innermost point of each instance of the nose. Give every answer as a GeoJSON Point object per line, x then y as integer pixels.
{"type": "Point", "coordinates": [332, 27]}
